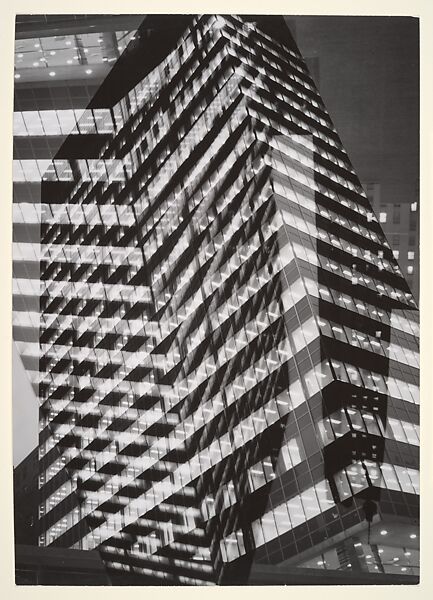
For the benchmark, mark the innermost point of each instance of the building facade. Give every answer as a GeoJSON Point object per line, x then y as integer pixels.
{"type": "Point", "coordinates": [61, 62]}
{"type": "Point", "coordinates": [228, 360]}
{"type": "Point", "coordinates": [26, 500]}
{"type": "Point", "coordinates": [400, 223]}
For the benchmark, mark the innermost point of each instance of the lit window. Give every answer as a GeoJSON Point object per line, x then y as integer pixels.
{"type": "Point", "coordinates": [411, 255]}
{"type": "Point", "coordinates": [410, 269]}
{"type": "Point", "coordinates": [396, 253]}
{"type": "Point", "coordinates": [413, 206]}
{"type": "Point", "coordinates": [382, 217]}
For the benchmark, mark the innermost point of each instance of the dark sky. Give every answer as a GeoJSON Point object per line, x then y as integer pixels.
{"type": "Point", "coordinates": [368, 77]}
{"type": "Point", "coordinates": [367, 72]}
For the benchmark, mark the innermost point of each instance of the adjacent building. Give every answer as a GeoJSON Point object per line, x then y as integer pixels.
{"type": "Point", "coordinates": [26, 500]}
{"type": "Point", "coordinates": [227, 362]}
{"type": "Point", "coordinates": [61, 62]}
{"type": "Point", "coordinates": [400, 223]}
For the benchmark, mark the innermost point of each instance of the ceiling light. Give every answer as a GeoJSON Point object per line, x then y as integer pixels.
{"type": "Point", "coordinates": [17, 75]}
{"type": "Point", "coordinates": [89, 71]}
{"type": "Point", "coordinates": [407, 553]}
{"type": "Point", "coordinates": [69, 62]}
{"type": "Point", "coordinates": [412, 536]}
{"type": "Point", "coordinates": [52, 73]}
{"type": "Point", "coordinates": [52, 52]}
{"type": "Point", "coordinates": [37, 45]}
{"type": "Point", "coordinates": [20, 55]}
{"type": "Point", "coordinates": [68, 43]}
{"type": "Point", "coordinates": [383, 532]}
{"type": "Point", "coordinates": [403, 569]}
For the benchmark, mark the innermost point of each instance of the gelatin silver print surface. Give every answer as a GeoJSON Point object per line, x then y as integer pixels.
{"type": "Point", "coordinates": [215, 317]}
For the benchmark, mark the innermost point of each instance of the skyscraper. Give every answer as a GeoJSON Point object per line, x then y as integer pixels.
{"type": "Point", "coordinates": [228, 348]}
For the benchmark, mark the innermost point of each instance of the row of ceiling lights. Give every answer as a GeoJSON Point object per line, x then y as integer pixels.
{"type": "Point", "coordinates": [53, 73]}
{"type": "Point", "coordinates": [69, 43]}
{"type": "Point", "coordinates": [395, 559]}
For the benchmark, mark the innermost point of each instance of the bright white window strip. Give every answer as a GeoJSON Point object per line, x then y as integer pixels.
{"type": "Point", "coordinates": [394, 386]}
{"type": "Point", "coordinates": [30, 170]}
{"type": "Point", "coordinates": [371, 343]}
{"type": "Point", "coordinates": [28, 251]}
{"type": "Point", "coordinates": [36, 170]}
{"type": "Point", "coordinates": [82, 289]}
{"type": "Point", "coordinates": [95, 324]}
{"type": "Point", "coordinates": [382, 475]}
{"type": "Point", "coordinates": [396, 429]}
{"type": "Point", "coordinates": [26, 212]}
{"type": "Point", "coordinates": [61, 122]}
{"type": "Point", "coordinates": [398, 318]}
{"type": "Point", "coordinates": [97, 291]}
{"type": "Point", "coordinates": [381, 287]}
{"type": "Point", "coordinates": [87, 214]}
